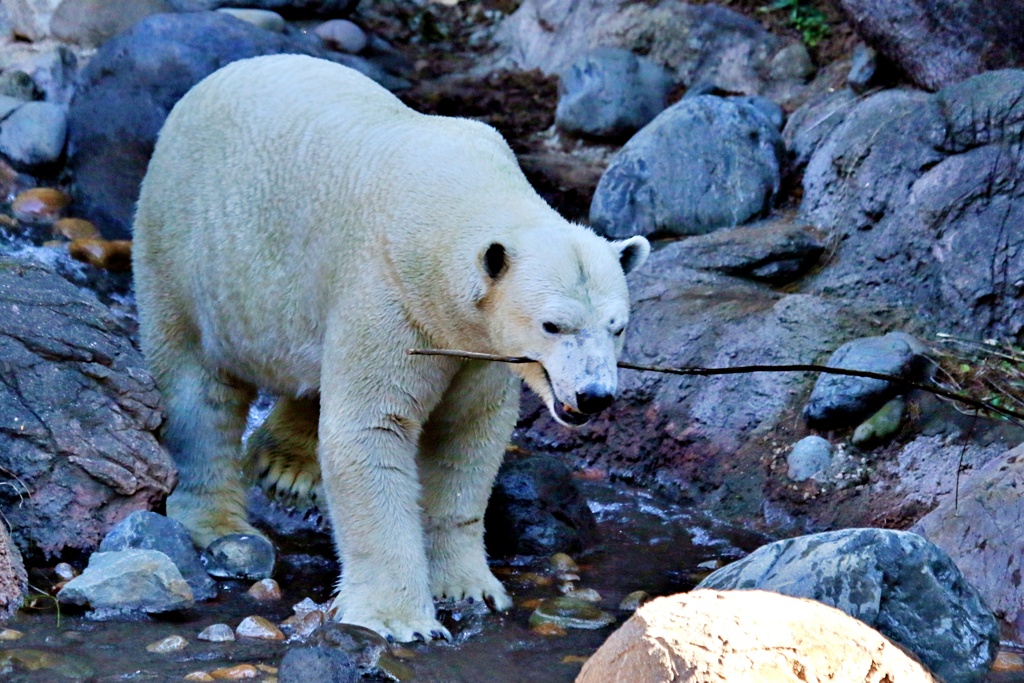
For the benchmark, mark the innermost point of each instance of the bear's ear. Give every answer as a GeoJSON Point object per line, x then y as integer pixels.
{"type": "Point", "coordinates": [495, 260]}
{"type": "Point", "coordinates": [632, 253]}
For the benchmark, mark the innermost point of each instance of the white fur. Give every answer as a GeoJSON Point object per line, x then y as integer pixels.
{"type": "Point", "coordinates": [298, 229]}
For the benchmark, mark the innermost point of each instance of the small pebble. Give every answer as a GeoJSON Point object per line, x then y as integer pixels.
{"type": "Point", "coordinates": [634, 600]}
{"type": "Point", "coordinates": [236, 673]}
{"type": "Point", "coordinates": [240, 556]}
{"type": "Point", "coordinates": [65, 572]}
{"type": "Point", "coordinates": [709, 564]}
{"type": "Point", "coordinates": [342, 35]}
{"type": "Point", "coordinates": [200, 676]}
{"type": "Point", "coordinates": [305, 607]}
{"type": "Point", "coordinates": [585, 594]}
{"type": "Point", "coordinates": [258, 627]}
{"type": "Point", "coordinates": [569, 612]}
{"type": "Point", "coordinates": [7, 634]}
{"type": "Point", "coordinates": [561, 562]}
{"type": "Point", "coordinates": [567, 576]}
{"type": "Point", "coordinates": [548, 629]}
{"type": "Point", "coordinates": [76, 228]}
{"type": "Point", "coordinates": [112, 255]}
{"type": "Point", "coordinates": [265, 590]}
{"type": "Point", "coordinates": [534, 579]}
{"type": "Point", "coordinates": [217, 633]}
{"type": "Point", "coordinates": [1008, 661]}
{"type": "Point", "coordinates": [304, 625]}
{"type": "Point", "coordinates": [173, 643]}
{"type": "Point", "coordinates": [7, 222]}
{"type": "Point", "coordinates": [39, 204]}
{"type": "Point", "coordinates": [575, 659]}
{"type": "Point", "coordinates": [267, 669]}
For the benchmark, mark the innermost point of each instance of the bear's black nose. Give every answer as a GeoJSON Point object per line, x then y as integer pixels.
{"type": "Point", "coordinates": [593, 400]}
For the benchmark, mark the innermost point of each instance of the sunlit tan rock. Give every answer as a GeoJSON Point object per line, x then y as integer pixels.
{"type": "Point", "coordinates": [40, 204]}
{"type": "Point", "coordinates": [258, 627]}
{"type": "Point", "coordinates": [76, 228]}
{"type": "Point", "coordinates": [265, 590]}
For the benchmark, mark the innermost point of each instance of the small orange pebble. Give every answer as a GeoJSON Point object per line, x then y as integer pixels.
{"type": "Point", "coordinates": [239, 672]}
{"type": "Point", "coordinates": [590, 474]}
{"type": "Point", "coordinates": [258, 628]}
{"type": "Point", "coordinates": [265, 590]}
{"type": "Point", "coordinates": [199, 677]}
{"type": "Point", "coordinates": [574, 659]}
{"type": "Point", "coordinates": [548, 629]}
{"type": "Point", "coordinates": [113, 255]}
{"type": "Point", "coordinates": [1008, 661]}
{"type": "Point", "coordinates": [39, 204]}
{"type": "Point", "coordinates": [76, 228]}
{"type": "Point", "coordinates": [267, 669]}
{"type": "Point", "coordinates": [532, 603]}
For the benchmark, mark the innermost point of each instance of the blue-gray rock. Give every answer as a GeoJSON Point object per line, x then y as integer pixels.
{"type": "Point", "coordinates": [240, 556]}
{"type": "Point", "coordinates": [129, 87]}
{"type": "Point", "coordinates": [19, 85]}
{"type": "Point", "coordinates": [702, 164]}
{"type": "Point", "coordinates": [32, 136]}
{"type": "Point", "coordinates": [128, 581]}
{"type": "Point", "coordinates": [839, 401]}
{"type": "Point", "coordinates": [320, 664]}
{"type": "Point", "coordinates": [810, 455]}
{"type": "Point", "coordinates": [260, 18]}
{"type": "Point", "coordinates": [813, 121]}
{"type": "Point", "coordinates": [144, 530]}
{"type": "Point", "coordinates": [611, 93]}
{"type": "Point", "coordinates": [924, 194]}
{"type": "Point", "coordinates": [776, 251]}
{"type": "Point", "coordinates": [92, 22]}
{"type": "Point", "coordinates": [342, 35]}
{"type": "Point", "coordinates": [537, 509]}
{"type": "Point", "coordinates": [894, 581]}
{"type": "Point", "coordinates": [54, 72]}
{"type": "Point", "coordinates": [862, 69]}
{"type": "Point", "coordinates": [766, 107]}
{"type": "Point", "coordinates": [8, 104]}
{"type": "Point", "coordinates": [290, 8]}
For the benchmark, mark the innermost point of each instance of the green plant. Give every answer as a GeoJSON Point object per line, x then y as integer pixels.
{"type": "Point", "coordinates": [990, 369]}
{"type": "Point", "coordinates": [810, 21]}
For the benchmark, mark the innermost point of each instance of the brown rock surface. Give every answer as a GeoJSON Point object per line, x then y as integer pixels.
{"type": "Point", "coordinates": [13, 579]}
{"type": "Point", "coordinates": [711, 636]}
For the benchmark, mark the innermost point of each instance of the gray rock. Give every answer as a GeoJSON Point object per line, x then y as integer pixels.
{"type": "Point", "coordinates": [29, 19]}
{"type": "Point", "coordinates": [924, 193]}
{"type": "Point", "coordinates": [78, 416]}
{"type": "Point", "coordinates": [93, 22]}
{"type": "Point", "coordinates": [128, 581]}
{"type": "Point", "coordinates": [810, 455]}
{"type": "Point", "coordinates": [766, 107]}
{"type": "Point", "coordinates": [940, 42]}
{"type": "Point", "coordinates": [54, 72]}
{"type": "Point", "coordinates": [342, 35]}
{"type": "Point", "coordinates": [260, 18]}
{"type": "Point", "coordinates": [19, 85]}
{"type": "Point", "coordinates": [240, 556]}
{"type": "Point", "coordinates": [144, 530]}
{"type": "Point", "coordinates": [8, 105]}
{"type": "Point", "coordinates": [291, 8]}
{"type": "Point", "coordinates": [129, 87]}
{"type": "Point", "coordinates": [32, 136]}
{"type": "Point", "coordinates": [776, 251]}
{"type": "Point", "coordinates": [536, 509]}
{"type": "Point", "coordinates": [896, 582]}
{"type": "Point", "coordinates": [321, 664]}
{"type": "Point", "coordinates": [863, 69]}
{"type": "Point", "coordinates": [813, 121]}
{"type": "Point", "coordinates": [880, 427]}
{"type": "Point", "coordinates": [697, 43]}
{"type": "Point", "coordinates": [610, 94]}
{"type": "Point", "coordinates": [838, 400]}
{"type": "Point", "coordinates": [980, 528]}
{"type": "Point", "coordinates": [704, 163]}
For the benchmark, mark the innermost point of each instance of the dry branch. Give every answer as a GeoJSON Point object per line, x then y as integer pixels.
{"type": "Point", "coordinates": [975, 403]}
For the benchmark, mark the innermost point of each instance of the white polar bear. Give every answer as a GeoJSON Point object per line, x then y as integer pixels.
{"type": "Point", "coordinates": [299, 229]}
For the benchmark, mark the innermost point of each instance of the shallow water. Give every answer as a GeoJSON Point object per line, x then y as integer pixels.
{"type": "Point", "coordinates": [646, 544]}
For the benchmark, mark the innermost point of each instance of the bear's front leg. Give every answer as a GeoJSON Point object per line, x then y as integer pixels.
{"type": "Point", "coordinates": [373, 406]}
{"type": "Point", "coordinates": [461, 450]}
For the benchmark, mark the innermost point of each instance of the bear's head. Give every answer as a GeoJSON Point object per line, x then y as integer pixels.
{"type": "Point", "coordinates": [560, 297]}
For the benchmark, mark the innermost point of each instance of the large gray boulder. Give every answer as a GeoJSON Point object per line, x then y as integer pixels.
{"type": "Point", "coordinates": [702, 164]}
{"type": "Point", "coordinates": [925, 193]}
{"type": "Point", "coordinates": [941, 42]}
{"type": "Point", "coordinates": [129, 87]}
{"type": "Point", "coordinates": [610, 94]}
{"type": "Point", "coordinates": [980, 529]}
{"type": "Point", "coordinates": [128, 581]}
{"type": "Point", "coordinates": [78, 415]}
{"type": "Point", "coordinates": [698, 43]}
{"type": "Point", "coordinates": [92, 22]}
{"type": "Point", "coordinates": [896, 582]}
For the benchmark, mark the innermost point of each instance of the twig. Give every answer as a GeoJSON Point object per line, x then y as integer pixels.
{"type": "Point", "coordinates": [744, 369]}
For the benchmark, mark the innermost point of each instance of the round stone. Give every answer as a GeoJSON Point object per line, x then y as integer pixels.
{"type": "Point", "coordinates": [112, 255]}
{"type": "Point", "coordinates": [265, 590]}
{"type": "Point", "coordinates": [76, 228]}
{"type": "Point", "coordinates": [569, 612]}
{"type": "Point", "coordinates": [240, 556]}
{"type": "Point", "coordinates": [173, 643]}
{"type": "Point", "coordinates": [561, 562]}
{"type": "Point", "coordinates": [39, 204]}
{"type": "Point", "coordinates": [217, 633]}
{"type": "Point", "coordinates": [810, 455]}
{"type": "Point", "coordinates": [634, 600]}
{"type": "Point", "coordinates": [258, 628]}
{"type": "Point", "coordinates": [342, 35]}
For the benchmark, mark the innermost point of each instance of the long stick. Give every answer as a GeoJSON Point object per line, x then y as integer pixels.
{"type": "Point", "coordinates": [743, 369]}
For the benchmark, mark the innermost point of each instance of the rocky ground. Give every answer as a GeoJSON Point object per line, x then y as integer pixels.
{"type": "Point", "coordinates": [822, 183]}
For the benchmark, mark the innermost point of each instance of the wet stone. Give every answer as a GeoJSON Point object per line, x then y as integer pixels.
{"type": "Point", "coordinates": [548, 628]}
{"type": "Point", "coordinates": [1007, 662]}
{"type": "Point", "coordinates": [129, 581]}
{"type": "Point", "coordinates": [882, 426]}
{"type": "Point", "coordinates": [569, 612]}
{"type": "Point", "coordinates": [76, 228]}
{"type": "Point", "coordinates": [634, 600]}
{"type": "Point", "coordinates": [265, 590]}
{"type": "Point", "coordinates": [112, 255]}
{"type": "Point", "coordinates": [304, 625]}
{"type": "Point", "coordinates": [810, 455]}
{"type": "Point", "coordinates": [364, 646]}
{"type": "Point", "coordinates": [217, 633]}
{"type": "Point", "coordinates": [65, 572]}
{"type": "Point", "coordinates": [585, 594]}
{"type": "Point", "coordinates": [9, 634]}
{"type": "Point", "coordinates": [173, 643]}
{"type": "Point", "coordinates": [259, 628]}
{"type": "Point", "coordinates": [342, 35]}
{"type": "Point", "coordinates": [199, 677]}
{"type": "Point", "coordinates": [305, 606]}
{"type": "Point", "coordinates": [240, 556]}
{"type": "Point", "coordinates": [319, 664]}
{"type": "Point", "coordinates": [39, 204]}
{"type": "Point", "coordinates": [260, 18]}
{"type": "Point", "coordinates": [561, 562]}
{"type": "Point", "coordinates": [240, 672]}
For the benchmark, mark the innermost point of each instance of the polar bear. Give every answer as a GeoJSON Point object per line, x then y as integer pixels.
{"type": "Point", "coordinates": [298, 229]}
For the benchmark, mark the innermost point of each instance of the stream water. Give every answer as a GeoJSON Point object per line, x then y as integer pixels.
{"type": "Point", "coordinates": [646, 544]}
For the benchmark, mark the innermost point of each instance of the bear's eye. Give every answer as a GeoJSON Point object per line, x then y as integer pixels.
{"type": "Point", "coordinates": [551, 328]}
